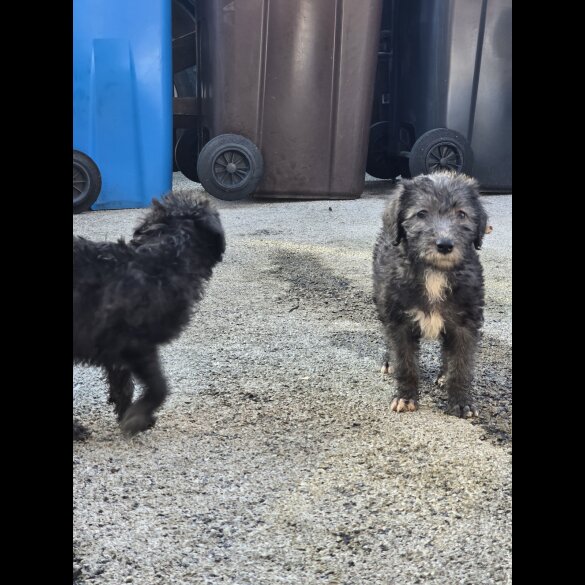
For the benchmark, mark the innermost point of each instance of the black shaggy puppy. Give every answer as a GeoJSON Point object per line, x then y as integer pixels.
{"type": "Point", "coordinates": [128, 298]}
{"type": "Point", "coordinates": [428, 282]}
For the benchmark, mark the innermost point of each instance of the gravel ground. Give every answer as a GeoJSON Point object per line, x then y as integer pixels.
{"type": "Point", "coordinates": [276, 458]}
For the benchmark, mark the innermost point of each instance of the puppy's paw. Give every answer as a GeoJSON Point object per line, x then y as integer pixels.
{"type": "Point", "coordinates": [120, 410]}
{"type": "Point", "coordinates": [386, 368]}
{"type": "Point", "coordinates": [135, 422]}
{"type": "Point", "coordinates": [80, 433]}
{"type": "Point", "coordinates": [440, 381]}
{"type": "Point", "coordinates": [463, 410]}
{"type": "Point", "coordinates": [403, 404]}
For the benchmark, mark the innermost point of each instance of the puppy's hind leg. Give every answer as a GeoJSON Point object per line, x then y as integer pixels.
{"type": "Point", "coordinates": [386, 367]}
{"type": "Point", "coordinates": [442, 375]}
{"type": "Point", "coordinates": [140, 415]}
{"type": "Point", "coordinates": [121, 389]}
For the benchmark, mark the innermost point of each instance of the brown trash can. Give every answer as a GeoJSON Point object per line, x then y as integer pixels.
{"type": "Point", "coordinates": [296, 78]}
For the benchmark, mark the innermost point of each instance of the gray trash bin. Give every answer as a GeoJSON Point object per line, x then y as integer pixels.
{"type": "Point", "coordinates": [444, 90]}
{"type": "Point", "coordinates": [295, 79]}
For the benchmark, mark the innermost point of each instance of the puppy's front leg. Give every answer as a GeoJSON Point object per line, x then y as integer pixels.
{"type": "Point", "coordinates": [140, 415]}
{"type": "Point", "coordinates": [405, 344]}
{"type": "Point", "coordinates": [459, 348]}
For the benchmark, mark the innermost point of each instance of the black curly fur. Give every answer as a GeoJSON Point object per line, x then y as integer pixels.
{"type": "Point", "coordinates": [128, 298]}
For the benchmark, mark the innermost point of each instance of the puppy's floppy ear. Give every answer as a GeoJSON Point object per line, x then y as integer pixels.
{"type": "Point", "coordinates": [393, 216]}
{"type": "Point", "coordinates": [481, 222]}
{"type": "Point", "coordinates": [480, 214]}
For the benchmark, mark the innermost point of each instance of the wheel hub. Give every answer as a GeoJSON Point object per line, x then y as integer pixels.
{"type": "Point", "coordinates": [443, 156]}
{"type": "Point", "coordinates": [231, 168]}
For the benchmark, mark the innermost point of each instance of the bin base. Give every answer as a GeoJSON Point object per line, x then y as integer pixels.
{"type": "Point", "coordinates": [307, 196]}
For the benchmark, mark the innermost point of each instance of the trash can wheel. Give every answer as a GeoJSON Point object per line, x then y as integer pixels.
{"type": "Point", "coordinates": [87, 182]}
{"type": "Point", "coordinates": [440, 149]}
{"type": "Point", "coordinates": [230, 167]}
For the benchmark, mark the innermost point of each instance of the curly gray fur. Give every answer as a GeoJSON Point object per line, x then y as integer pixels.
{"type": "Point", "coordinates": [428, 282]}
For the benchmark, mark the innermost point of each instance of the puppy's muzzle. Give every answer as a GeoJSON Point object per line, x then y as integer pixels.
{"type": "Point", "coordinates": [444, 245]}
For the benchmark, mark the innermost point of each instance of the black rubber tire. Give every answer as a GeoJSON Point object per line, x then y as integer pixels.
{"type": "Point", "coordinates": [381, 163]}
{"type": "Point", "coordinates": [230, 167]}
{"type": "Point", "coordinates": [186, 153]}
{"type": "Point", "coordinates": [440, 149]}
{"type": "Point", "coordinates": [87, 182]}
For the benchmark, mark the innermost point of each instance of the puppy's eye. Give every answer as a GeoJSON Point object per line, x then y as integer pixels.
{"type": "Point", "coordinates": [422, 213]}
{"type": "Point", "coordinates": [461, 214]}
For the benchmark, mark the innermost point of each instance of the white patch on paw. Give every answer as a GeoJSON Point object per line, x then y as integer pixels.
{"type": "Point", "coordinates": [403, 405]}
{"type": "Point", "coordinates": [464, 410]}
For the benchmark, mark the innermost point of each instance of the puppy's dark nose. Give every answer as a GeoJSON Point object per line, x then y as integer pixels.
{"type": "Point", "coordinates": [444, 245]}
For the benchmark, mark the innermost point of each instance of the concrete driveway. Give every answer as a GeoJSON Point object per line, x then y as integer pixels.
{"type": "Point", "coordinates": [276, 460]}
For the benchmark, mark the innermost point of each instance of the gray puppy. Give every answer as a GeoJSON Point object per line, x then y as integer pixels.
{"type": "Point", "coordinates": [428, 282]}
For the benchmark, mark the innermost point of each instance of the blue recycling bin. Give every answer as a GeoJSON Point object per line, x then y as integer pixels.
{"type": "Point", "coordinates": [122, 97]}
